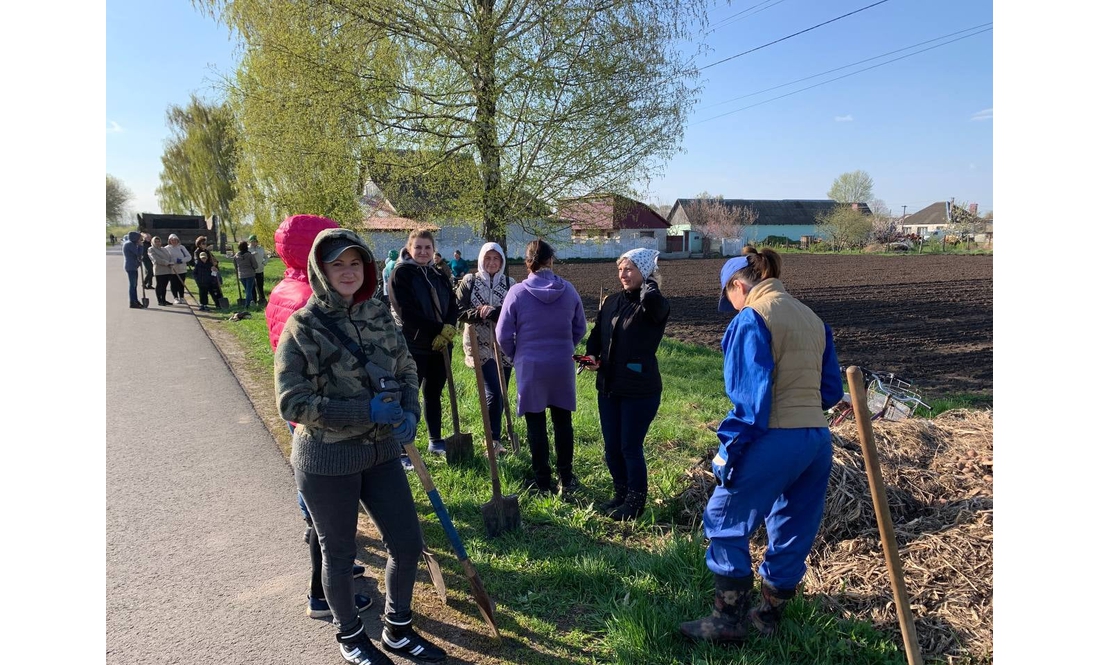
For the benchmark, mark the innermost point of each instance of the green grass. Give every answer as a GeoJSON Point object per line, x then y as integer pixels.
{"type": "Point", "coordinates": [573, 586]}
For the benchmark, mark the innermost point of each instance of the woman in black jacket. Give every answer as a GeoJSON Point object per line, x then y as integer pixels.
{"type": "Point", "coordinates": [426, 309]}
{"type": "Point", "coordinates": [623, 342]}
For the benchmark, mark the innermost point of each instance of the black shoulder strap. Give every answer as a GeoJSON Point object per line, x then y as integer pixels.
{"type": "Point", "coordinates": [386, 380]}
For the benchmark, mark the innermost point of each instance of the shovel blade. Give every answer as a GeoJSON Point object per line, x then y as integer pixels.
{"type": "Point", "coordinates": [144, 302]}
{"type": "Point", "coordinates": [485, 605]}
{"type": "Point", "coordinates": [501, 514]}
{"type": "Point", "coordinates": [460, 448]}
{"type": "Point", "coordinates": [436, 574]}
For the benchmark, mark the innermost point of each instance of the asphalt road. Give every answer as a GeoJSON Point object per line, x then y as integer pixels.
{"type": "Point", "coordinates": [205, 559]}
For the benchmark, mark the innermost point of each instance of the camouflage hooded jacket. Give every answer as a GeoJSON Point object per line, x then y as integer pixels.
{"type": "Point", "coordinates": [324, 388]}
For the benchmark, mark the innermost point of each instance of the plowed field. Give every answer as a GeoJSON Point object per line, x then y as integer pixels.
{"type": "Point", "coordinates": [927, 318]}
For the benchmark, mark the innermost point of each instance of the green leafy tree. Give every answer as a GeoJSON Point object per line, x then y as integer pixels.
{"type": "Point", "coordinates": [852, 187]}
{"type": "Point", "coordinates": [118, 198]}
{"type": "Point", "coordinates": [846, 227]}
{"type": "Point", "coordinates": [198, 167]}
{"type": "Point", "coordinates": [547, 100]}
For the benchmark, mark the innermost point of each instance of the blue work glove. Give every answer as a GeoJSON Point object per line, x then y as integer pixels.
{"type": "Point", "coordinates": [406, 431]}
{"type": "Point", "coordinates": [386, 409]}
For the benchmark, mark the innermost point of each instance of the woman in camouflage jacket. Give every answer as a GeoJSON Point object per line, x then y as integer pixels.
{"type": "Point", "coordinates": [354, 410]}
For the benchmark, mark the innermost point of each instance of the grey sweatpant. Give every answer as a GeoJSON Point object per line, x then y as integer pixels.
{"type": "Point", "coordinates": [333, 503]}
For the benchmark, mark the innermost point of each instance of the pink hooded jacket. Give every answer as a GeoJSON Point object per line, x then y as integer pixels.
{"type": "Point", "coordinates": [293, 240]}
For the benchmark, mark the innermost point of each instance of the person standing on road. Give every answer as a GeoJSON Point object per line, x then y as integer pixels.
{"type": "Point", "coordinates": [623, 341]}
{"type": "Point", "coordinates": [541, 322]}
{"type": "Point", "coordinates": [178, 264]}
{"type": "Point", "coordinates": [204, 279]}
{"type": "Point", "coordinates": [427, 311]}
{"type": "Point", "coordinates": [480, 297]}
{"type": "Point", "coordinates": [131, 261]}
{"type": "Point", "coordinates": [162, 268]}
{"type": "Point", "coordinates": [246, 271]}
{"type": "Point", "coordinates": [774, 448]}
{"type": "Point", "coordinates": [355, 411]}
{"type": "Point", "coordinates": [146, 262]}
{"type": "Point", "coordinates": [258, 251]}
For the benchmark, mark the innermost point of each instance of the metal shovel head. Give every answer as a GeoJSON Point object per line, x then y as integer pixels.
{"type": "Point", "coordinates": [485, 605]}
{"type": "Point", "coordinates": [144, 301]}
{"type": "Point", "coordinates": [500, 514]}
{"type": "Point", "coordinates": [460, 448]}
{"type": "Point", "coordinates": [223, 303]}
{"type": "Point", "coordinates": [436, 574]}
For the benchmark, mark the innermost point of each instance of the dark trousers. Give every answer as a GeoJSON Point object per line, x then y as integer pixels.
{"type": "Point", "coordinates": [132, 276]}
{"type": "Point", "coordinates": [148, 277]}
{"type": "Point", "coordinates": [433, 378]}
{"type": "Point", "coordinates": [176, 282]}
{"type": "Point", "coordinates": [539, 443]}
{"type": "Point", "coordinates": [205, 294]}
{"type": "Point", "coordinates": [624, 422]}
{"type": "Point", "coordinates": [162, 286]}
{"type": "Point", "coordinates": [247, 283]}
{"type": "Point", "coordinates": [258, 288]}
{"type": "Point", "coordinates": [494, 399]}
{"type": "Point", "coordinates": [333, 504]}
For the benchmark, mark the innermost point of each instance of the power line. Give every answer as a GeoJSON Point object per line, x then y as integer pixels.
{"type": "Point", "coordinates": [809, 87]}
{"type": "Point", "coordinates": [730, 20]}
{"type": "Point", "coordinates": [832, 20]}
{"type": "Point", "coordinates": [851, 64]}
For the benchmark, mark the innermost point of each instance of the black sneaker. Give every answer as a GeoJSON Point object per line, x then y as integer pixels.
{"type": "Point", "coordinates": [357, 648]}
{"type": "Point", "coordinates": [543, 489]}
{"type": "Point", "coordinates": [402, 639]}
{"type": "Point", "coordinates": [568, 488]}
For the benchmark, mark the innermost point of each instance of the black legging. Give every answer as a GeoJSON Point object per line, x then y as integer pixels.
{"type": "Point", "coordinates": [432, 375]}
{"type": "Point", "coordinates": [540, 445]}
{"type": "Point", "coordinates": [162, 286]}
{"type": "Point", "coordinates": [176, 282]}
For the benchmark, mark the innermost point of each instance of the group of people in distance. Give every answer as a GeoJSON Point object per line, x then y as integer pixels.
{"type": "Point", "coordinates": [362, 348]}
{"type": "Point", "coordinates": [169, 265]}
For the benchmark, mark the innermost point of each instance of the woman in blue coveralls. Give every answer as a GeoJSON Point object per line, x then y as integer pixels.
{"type": "Point", "coordinates": [774, 448]}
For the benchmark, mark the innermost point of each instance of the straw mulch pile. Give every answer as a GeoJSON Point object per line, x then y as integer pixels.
{"type": "Point", "coordinates": [939, 484]}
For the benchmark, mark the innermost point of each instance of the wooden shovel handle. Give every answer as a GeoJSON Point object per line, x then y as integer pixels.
{"type": "Point", "coordinates": [476, 353]}
{"type": "Point", "coordinates": [503, 388]}
{"type": "Point", "coordinates": [882, 515]}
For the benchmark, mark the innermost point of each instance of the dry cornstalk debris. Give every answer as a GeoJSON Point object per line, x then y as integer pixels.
{"type": "Point", "coordinates": [939, 484]}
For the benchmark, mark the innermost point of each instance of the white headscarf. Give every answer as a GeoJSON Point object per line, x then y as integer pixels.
{"type": "Point", "coordinates": [494, 280]}
{"type": "Point", "coordinates": [644, 259]}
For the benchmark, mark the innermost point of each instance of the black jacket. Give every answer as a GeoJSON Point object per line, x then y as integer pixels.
{"type": "Point", "coordinates": [628, 329]}
{"type": "Point", "coordinates": [410, 288]}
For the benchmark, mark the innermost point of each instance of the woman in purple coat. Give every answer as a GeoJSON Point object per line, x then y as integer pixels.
{"type": "Point", "coordinates": [541, 323]}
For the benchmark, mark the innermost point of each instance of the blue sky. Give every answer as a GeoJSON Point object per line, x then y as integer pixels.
{"type": "Point", "coordinates": [922, 126]}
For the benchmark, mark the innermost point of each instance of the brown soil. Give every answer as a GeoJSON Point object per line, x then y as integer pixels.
{"type": "Point", "coordinates": [927, 318]}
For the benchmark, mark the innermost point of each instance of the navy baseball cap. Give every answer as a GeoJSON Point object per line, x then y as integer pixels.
{"type": "Point", "coordinates": [731, 267]}
{"type": "Point", "coordinates": [332, 248]}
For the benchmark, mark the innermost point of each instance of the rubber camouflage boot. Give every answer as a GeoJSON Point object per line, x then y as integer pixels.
{"type": "Point", "coordinates": [766, 615]}
{"type": "Point", "coordinates": [727, 622]}
{"type": "Point", "coordinates": [633, 506]}
{"type": "Point", "coordinates": [616, 501]}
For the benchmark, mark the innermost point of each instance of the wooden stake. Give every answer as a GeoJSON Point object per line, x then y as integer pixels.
{"type": "Point", "coordinates": [882, 515]}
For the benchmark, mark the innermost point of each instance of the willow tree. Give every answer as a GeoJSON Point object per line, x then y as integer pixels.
{"type": "Point", "coordinates": [300, 122]}
{"type": "Point", "coordinates": [198, 167]}
{"type": "Point", "coordinates": [550, 99]}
